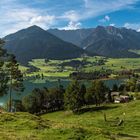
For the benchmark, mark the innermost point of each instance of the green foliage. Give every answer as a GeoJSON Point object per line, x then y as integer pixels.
{"type": "Point", "coordinates": [15, 77]}
{"type": "Point", "coordinates": [11, 77]}
{"type": "Point", "coordinates": [97, 92]}
{"type": "Point", "coordinates": [3, 73]}
{"type": "Point", "coordinates": [32, 102]}
{"type": "Point", "coordinates": [83, 92]}
{"type": "Point", "coordinates": [130, 85]}
{"type": "Point", "coordinates": [115, 87]}
{"type": "Point", "coordinates": [137, 87]}
{"type": "Point", "coordinates": [29, 103]}
{"type": "Point", "coordinates": [74, 97]}
{"type": "Point", "coordinates": [137, 95]}
{"type": "Point", "coordinates": [44, 99]}
{"type": "Point", "coordinates": [122, 87]}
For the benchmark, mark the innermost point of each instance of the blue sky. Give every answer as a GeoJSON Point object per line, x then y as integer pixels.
{"type": "Point", "coordinates": [68, 14]}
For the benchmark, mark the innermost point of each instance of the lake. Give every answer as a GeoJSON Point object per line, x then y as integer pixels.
{"type": "Point", "coordinates": [31, 84]}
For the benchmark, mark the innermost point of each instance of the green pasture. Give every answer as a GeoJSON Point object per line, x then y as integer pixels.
{"type": "Point", "coordinates": [53, 68]}
{"type": "Point", "coordinates": [64, 125]}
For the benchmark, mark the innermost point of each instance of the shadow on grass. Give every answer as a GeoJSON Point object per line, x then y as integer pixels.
{"type": "Point", "coordinates": [97, 108]}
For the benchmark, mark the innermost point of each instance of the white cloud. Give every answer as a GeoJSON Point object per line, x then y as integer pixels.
{"type": "Point", "coordinates": [14, 15]}
{"type": "Point", "coordinates": [72, 26]}
{"type": "Point", "coordinates": [49, 20]}
{"type": "Point", "coordinates": [70, 15]}
{"type": "Point", "coordinates": [112, 24]}
{"type": "Point", "coordinates": [105, 19]}
{"type": "Point", "coordinates": [94, 8]}
{"type": "Point", "coordinates": [26, 17]}
{"type": "Point", "coordinates": [135, 26]}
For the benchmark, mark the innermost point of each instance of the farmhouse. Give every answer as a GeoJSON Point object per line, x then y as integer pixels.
{"type": "Point", "coordinates": [119, 98]}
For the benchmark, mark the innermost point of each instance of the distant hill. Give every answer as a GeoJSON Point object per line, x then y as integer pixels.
{"type": "Point", "coordinates": [72, 36]}
{"type": "Point", "coordinates": [35, 42]}
{"type": "Point", "coordinates": [112, 42]}
{"type": "Point", "coordinates": [107, 41]}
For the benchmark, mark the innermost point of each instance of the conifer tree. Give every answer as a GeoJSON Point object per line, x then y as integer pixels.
{"type": "Point", "coordinates": [15, 78]}
{"type": "Point", "coordinates": [3, 73]}
{"type": "Point", "coordinates": [72, 97]}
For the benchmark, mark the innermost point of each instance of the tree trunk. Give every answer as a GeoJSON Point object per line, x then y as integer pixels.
{"type": "Point", "coordinates": [96, 102]}
{"type": "Point", "coordinates": [105, 117]}
{"type": "Point", "coordinates": [10, 96]}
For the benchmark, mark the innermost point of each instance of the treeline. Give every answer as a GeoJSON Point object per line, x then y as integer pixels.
{"type": "Point", "coordinates": [103, 73]}
{"type": "Point", "coordinates": [90, 75]}
{"type": "Point", "coordinates": [75, 96]}
{"type": "Point", "coordinates": [44, 99]}
{"type": "Point", "coordinates": [131, 85]}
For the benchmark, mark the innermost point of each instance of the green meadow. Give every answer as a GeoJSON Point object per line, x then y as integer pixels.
{"type": "Point", "coordinates": [53, 68]}
{"type": "Point", "coordinates": [64, 125]}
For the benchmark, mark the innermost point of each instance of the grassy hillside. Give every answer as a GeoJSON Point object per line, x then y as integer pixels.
{"type": "Point", "coordinates": [91, 125]}
{"type": "Point", "coordinates": [67, 126]}
{"type": "Point", "coordinates": [21, 126]}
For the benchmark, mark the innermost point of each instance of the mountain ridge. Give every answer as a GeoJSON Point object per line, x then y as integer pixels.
{"type": "Point", "coordinates": [34, 42]}
{"type": "Point", "coordinates": [103, 39]}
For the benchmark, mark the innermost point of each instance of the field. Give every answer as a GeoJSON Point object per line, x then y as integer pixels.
{"type": "Point", "coordinates": [53, 68]}
{"type": "Point", "coordinates": [89, 125]}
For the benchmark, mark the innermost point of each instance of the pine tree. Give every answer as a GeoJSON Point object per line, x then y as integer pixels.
{"type": "Point", "coordinates": [15, 78]}
{"type": "Point", "coordinates": [98, 89]}
{"type": "Point", "coordinates": [11, 77]}
{"type": "Point", "coordinates": [3, 73]}
{"type": "Point", "coordinates": [72, 96]}
{"type": "Point", "coordinates": [115, 87]}
{"type": "Point", "coordinates": [82, 94]}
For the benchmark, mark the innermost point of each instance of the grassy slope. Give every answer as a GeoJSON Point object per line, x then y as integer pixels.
{"type": "Point", "coordinates": [66, 126]}
{"type": "Point", "coordinates": [91, 125]}
{"type": "Point", "coordinates": [21, 126]}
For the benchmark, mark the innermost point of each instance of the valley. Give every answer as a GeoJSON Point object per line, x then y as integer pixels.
{"type": "Point", "coordinates": [54, 69]}
{"type": "Point", "coordinates": [69, 69]}
{"type": "Point", "coordinates": [55, 87]}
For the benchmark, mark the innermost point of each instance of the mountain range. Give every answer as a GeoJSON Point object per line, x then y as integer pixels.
{"type": "Point", "coordinates": [72, 36]}
{"type": "Point", "coordinates": [106, 41]}
{"type": "Point", "coordinates": [34, 42]}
